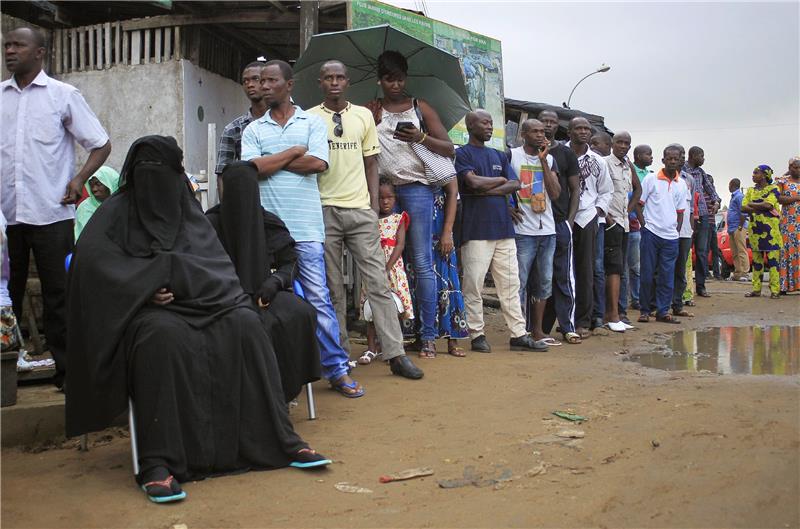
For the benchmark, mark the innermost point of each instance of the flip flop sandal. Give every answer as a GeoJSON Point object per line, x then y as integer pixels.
{"type": "Point", "coordinates": [753, 295]}
{"type": "Point", "coordinates": [367, 357]}
{"type": "Point", "coordinates": [690, 303]}
{"type": "Point", "coordinates": [550, 342]}
{"type": "Point", "coordinates": [572, 338]}
{"type": "Point", "coordinates": [666, 318]}
{"type": "Point", "coordinates": [164, 491]}
{"type": "Point", "coordinates": [350, 390]}
{"type": "Point", "coordinates": [308, 458]}
{"type": "Point", "coordinates": [456, 351]}
{"type": "Point", "coordinates": [583, 333]}
{"type": "Point", "coordinates": [428, 349]}
{"type": "Point", "coordinates": [683, 313]}
{"type": "Point", "coordinates": [644, 318]}
{"type": "Point", "coordinates": [774, 296]}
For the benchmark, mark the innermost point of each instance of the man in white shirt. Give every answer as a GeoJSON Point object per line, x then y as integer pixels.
{"type": "Point", "coordinates": [41, 119]}
{"type": "Point", "coordinates": [534, 225]}
{"type": "Point", "coordinates": [596, 190]}
{"type": "Point", "coordinates": [664, 198]}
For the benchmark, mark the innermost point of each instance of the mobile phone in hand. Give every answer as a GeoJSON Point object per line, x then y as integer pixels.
{"type": "Point", "coordinates": [401, 125]}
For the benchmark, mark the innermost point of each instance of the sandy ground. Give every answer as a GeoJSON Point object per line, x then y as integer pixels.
{"type": "Point", "coordinates": [660, 449]}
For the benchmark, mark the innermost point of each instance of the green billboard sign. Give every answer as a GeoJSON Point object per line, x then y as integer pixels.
{"type": "Point", "coordinates": [481, 57]}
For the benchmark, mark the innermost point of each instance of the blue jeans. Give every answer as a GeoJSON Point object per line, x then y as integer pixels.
{"type": "Point", "coordinates": [599, 284]}
{"type": "Point", "coordinates": [311, 273]}
{"type": "Point", "coordinates": [701, 246]}
{"type": "Point", "coordinates": [657, 253]}
{"type": "Point", "coordinates": [535, 250]}
{"type": "Point", "coordinates": [417, 200]}
{"type": "Point", "coordinates": [630, 279]}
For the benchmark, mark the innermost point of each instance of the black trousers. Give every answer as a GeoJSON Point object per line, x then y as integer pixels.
{"type": "Point", "coordinates": [50, 244]}
{"type": "Point", "coordinates": [583, 240]}
{"type": "Point", "coordinates": [684, 246]}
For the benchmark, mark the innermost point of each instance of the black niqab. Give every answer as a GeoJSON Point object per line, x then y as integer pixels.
{"type": "Point", "coordinates": [131, 248]}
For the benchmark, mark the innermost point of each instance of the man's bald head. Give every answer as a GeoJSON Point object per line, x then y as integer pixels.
{"type": "Point", "coordinates": [529, 124]}
{"type": "Point", "coordinates": [621, 144]}
{"type": "Point", "coordinates": [480, 126]}
{"type": "Point", "coordinates": [643, 155]}
{"type": "Point", "coordinates": [24, 51]}
{"type": "Point", "coordinates": [601, 143]}
{"type": "Point", "coordinates": [580, 131]}
{"type": "Point", "coordinates": [37, 37]}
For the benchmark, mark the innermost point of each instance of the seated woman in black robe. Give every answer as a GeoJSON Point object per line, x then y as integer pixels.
{"type": "Point", "coordinates": [262, 251]}
{"type": "Point", "coordinates": [176, 332]}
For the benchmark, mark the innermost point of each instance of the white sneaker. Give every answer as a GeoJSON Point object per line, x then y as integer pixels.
{"type": "Point", "coordinates": [627, 326]}
{"type": "Point", "coordinates": [616, 326]}
{"type": "Point", "coordinates": [23, 365]}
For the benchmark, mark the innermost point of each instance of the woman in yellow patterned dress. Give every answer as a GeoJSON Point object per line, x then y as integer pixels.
{"type": "Point", "coordinates": [761, 203]}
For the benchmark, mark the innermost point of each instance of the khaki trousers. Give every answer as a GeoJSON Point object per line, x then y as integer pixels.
{"type": "Point", "coordinates": [478, 257]}
{"type": "Point", "coordinates": [738, 242]}
{"type": "Point", "coordinates": [358, 230]}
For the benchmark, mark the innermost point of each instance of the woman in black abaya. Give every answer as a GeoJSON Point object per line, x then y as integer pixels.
{"type": "Point", "coordinates": [262, 251]}
{"type": "Point", "coordinates": [171, 327]}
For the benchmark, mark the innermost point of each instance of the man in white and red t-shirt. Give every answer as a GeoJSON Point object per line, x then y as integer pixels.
{"type": "Point", "coordinates": [664, 195]}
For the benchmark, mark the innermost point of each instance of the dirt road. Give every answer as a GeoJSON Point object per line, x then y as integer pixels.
{"type": "Point", "coordinates": [659, 449]}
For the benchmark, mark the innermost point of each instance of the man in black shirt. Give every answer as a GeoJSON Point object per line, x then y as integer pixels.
{"type": "Point", "coordinates": [561, 305]}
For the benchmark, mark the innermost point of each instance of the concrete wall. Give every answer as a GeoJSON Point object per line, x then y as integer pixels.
{"type": "Point", "coordinates": [132, 101]}
{"type": "Point", "coordinates": [221, 101]}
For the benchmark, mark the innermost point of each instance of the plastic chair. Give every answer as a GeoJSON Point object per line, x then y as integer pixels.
{"type": "Point", "coordinates": [312, 409]}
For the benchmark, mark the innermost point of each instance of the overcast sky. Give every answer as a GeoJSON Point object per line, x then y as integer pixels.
{"type": "Point", "coordinates": [724, 76]}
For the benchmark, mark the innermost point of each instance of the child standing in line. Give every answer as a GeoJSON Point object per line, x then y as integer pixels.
{"type": "Point", "coordinates": [392, 227]}
{"type": "Point", "coordinates": [100, 186]}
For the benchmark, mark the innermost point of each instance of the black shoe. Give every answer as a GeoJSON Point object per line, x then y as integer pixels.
{"type": "Point", "coordinates": [480, 345]}
{"type": "Point", "coordinates": [597, 322]}
{"type": "Point", "coordinates": [59, 381]}
{"type": "Point", "coordinates": [404, 367]}
{"type": "Point", "coordinates": [525, 343]}
{"type": "Point", "coordinates": [703, 294]}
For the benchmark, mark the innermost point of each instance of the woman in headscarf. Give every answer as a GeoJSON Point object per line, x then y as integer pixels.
{"type": "Point", "coordinates": [99, 187]}
{"type": "Point", "coordinates": [761, 203]}
{"type": "Point", "coordinates": [262, 251]}
{"type": "Point", "coordinates": [172, 328]}
{"type": "Point", "coordinates": [789, 187]}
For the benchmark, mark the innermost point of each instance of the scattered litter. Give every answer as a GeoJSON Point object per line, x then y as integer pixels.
{"type": "Point", "coordinates": [180, 526]}
{"type": "Point", "coordinates": [472, 477]}
{"type": "Point", "coordinates": [541, 468]}
{"type": "Point", "coordinates": [622, 352]}
{"type": "Point", "coordinates": [410, 473]}
{"type": "Point", "coordinates": [571, 434]}
{"type": "Point", "coordinates": [655, 443]}
{"type": "Point", "coordinates": [343, 486]}
{"type": "Point", "coordinates": [569, 416]}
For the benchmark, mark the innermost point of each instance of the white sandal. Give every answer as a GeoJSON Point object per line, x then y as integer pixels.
{"type": "Point", "coordinates": [367, 357]}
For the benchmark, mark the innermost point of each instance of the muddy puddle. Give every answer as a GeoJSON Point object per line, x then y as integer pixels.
{"type": "Point", "coordinates": [768, 350]}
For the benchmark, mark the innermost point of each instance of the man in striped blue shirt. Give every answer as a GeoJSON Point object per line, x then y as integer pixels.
{"type": "Point", "coordinates": [288, 188]}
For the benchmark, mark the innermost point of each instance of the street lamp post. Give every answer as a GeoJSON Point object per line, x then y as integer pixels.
{"type": "Point", "coordinates": [603, 68]}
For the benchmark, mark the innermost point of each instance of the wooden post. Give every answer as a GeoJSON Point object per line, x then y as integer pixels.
{"type": "Point", "coordinates": [118, 43]}
{"type": "Point", "coordinates": [64, 50]}
{"type": "Point", "coordinates": [178, 48]}
{"type": "Point", "coordinates": [90, 43]}
{"type": "Point", "coordinates": [99, 49]}
{"type": "Point", "coordinates": [136, 47]}
{"type": "Point", "coordinates": [73, 49]}
{"type": "Point", "coordinates": [107, 45]}
{"type": "Point", "coordinates": [57, 64]}
{"type": "Point", "coordinates": [159, 34]}
{"type": "Point", "coordinates": [211, 175]}
{"type": "Point", "coordinates": [147, 46]}
{"type": "Point", "coordinates": [81, 49]}
{"type": "Point", "coordinates": [126, 44]}
{"type": "Point", "coordinates": [167, 44]}
{"type": "Point", "coordinates": [309, 22]}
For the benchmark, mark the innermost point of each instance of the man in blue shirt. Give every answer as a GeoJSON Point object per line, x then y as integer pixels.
{"type": "Point", "coordinates": [487, 233]}
{"type": "Point", "coordinates": [737, 235]}
{"type": "Point", "coordinates": [297, 143]}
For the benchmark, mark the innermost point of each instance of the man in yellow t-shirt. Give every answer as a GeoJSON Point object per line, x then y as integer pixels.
{"type": "Point", "coordinates": [349, 193]}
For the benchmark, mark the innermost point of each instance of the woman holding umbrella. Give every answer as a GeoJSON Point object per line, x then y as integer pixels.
{"type": "Point", "coordinates": [397, 116]}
